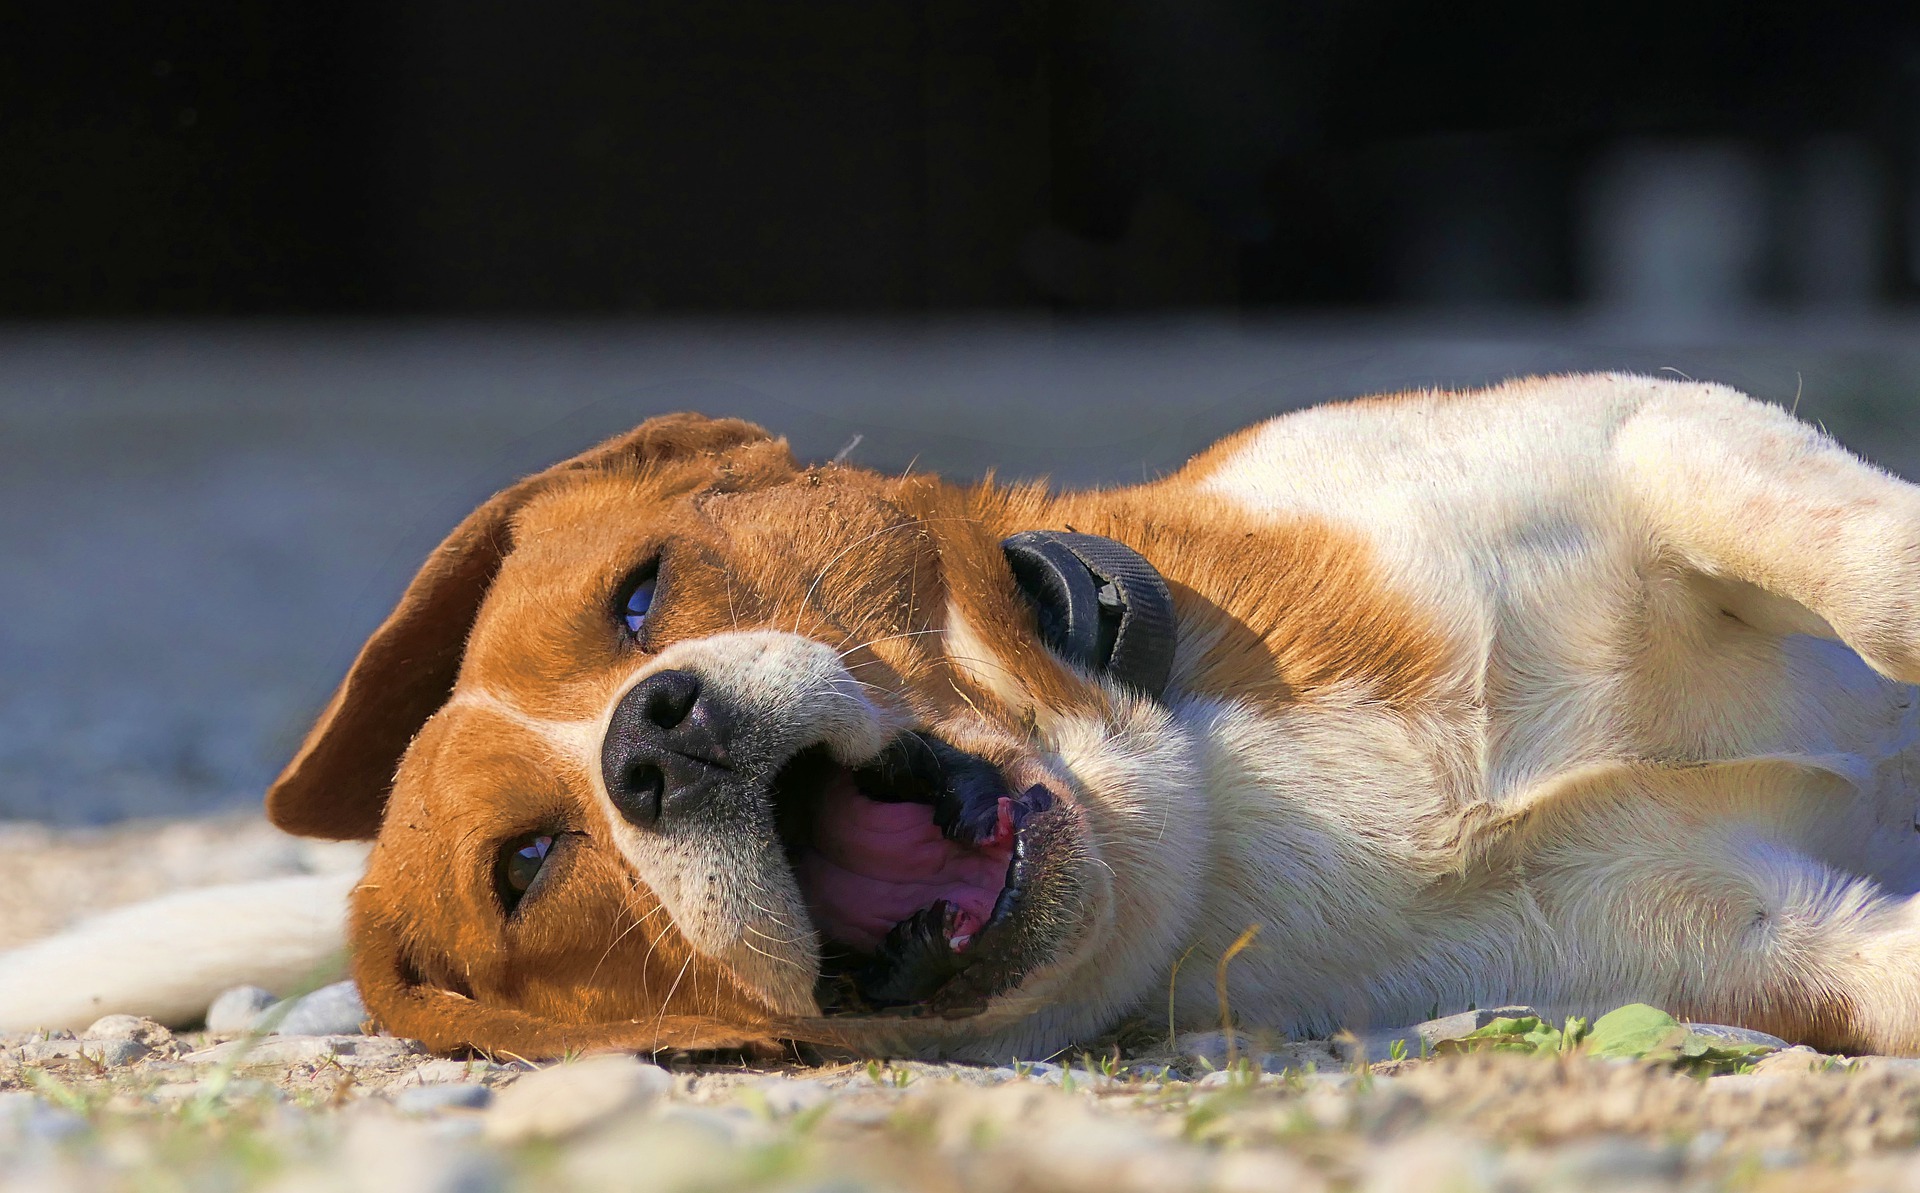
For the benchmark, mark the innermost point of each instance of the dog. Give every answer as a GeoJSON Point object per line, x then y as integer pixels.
{"type": "Point", "coordinates": [1570, 692]}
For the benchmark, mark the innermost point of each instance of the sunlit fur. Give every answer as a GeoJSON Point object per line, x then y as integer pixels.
{"type": "Point", "coordinates": [1529, 694]}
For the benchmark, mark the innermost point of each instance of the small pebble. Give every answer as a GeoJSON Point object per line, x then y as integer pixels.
{"type": "Point", "coordinates": [236, 1009]}
{"type": "Point", "coordinates": [23, 1117]}
{"type": "Point", "coordinates": [382, 1154]}
{"type": "Point", "coordinates": [788, 1095]}
{"type": "Point", "coordinates": [431, 1099]}
{"type": "Point", "coordinates": [1906, 1066]}
{"type": "Point", "coordinates": [443, 1072]}
{"type": "Point", "coordinates": [565, 1099]}
{"type": "Point", "coordinates": [102, 1052]}
{"type": "Point", "coordinates": [334, 1010]}
{"type": "Point", "coordinates": [1721, 1033]}
{"type": "Point", "coordinates": [347, 1051]}
{"type": "Point", "coordinates": [128, 1027]}
{"type": "Point", "coordinates": [1247, 1171]}
{"type": "Point", "coordinates": [1230, 1079]}
{"type": "Point", "coordinates": [1038, 1070]}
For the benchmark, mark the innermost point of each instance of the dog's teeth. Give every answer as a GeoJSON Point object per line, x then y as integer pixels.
{"type": "Point", "coordinates": [915, 960]}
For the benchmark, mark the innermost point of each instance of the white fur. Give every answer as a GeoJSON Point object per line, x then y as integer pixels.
{"type": "Point", "coordinates": [1642, 779]}
{"type": "Point", "coordinates": [167, 959]}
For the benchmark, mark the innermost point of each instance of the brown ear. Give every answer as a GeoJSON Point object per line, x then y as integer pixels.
{"type": "Point", "coordinates": [451, 1023]}
{"type": "Point", "coordinates": [337, 784]}
{"type": "Point", "coordinates": [407, 1003]}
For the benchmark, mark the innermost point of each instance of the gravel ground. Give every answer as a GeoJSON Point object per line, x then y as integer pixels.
{"type": "Point", "coordinates": [130, 1105]}
{"type": "Point", "coordinates": [375, 1113]}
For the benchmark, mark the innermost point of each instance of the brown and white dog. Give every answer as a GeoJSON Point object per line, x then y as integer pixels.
{"type": "Point", "coordinates": [1572, 692]}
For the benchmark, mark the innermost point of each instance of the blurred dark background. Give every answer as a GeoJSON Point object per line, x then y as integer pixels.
{"type": "Point", "coordinates": [286, 288]}
{"type": "Point", "coordinates": [424, 157]}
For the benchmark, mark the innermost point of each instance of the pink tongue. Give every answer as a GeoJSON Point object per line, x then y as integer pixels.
{"type": "Point", "coordinates": [872, 865]}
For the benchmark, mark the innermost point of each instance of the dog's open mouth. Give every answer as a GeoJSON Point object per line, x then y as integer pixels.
{"type": "Point", "coordinates": [908, 865]}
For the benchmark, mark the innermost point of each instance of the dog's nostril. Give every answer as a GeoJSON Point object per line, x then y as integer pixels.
{"type": "Point", "coordinates": [669, 697]}
{"type": "Point", "coordinates": [645, 788]}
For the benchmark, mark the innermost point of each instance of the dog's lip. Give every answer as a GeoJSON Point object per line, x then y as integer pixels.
{"type": "Point", "coordinates": [892, 855]}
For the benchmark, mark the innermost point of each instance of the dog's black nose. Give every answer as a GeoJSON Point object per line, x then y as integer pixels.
{"type": "Point", "coordinates": [666, 749]}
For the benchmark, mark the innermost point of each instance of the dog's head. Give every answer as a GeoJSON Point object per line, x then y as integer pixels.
{"type": "Point", "coordinates": [678, 744]}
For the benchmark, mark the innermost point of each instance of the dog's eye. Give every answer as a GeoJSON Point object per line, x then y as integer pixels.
{"type": "Point", "coordinates": [520, 863]}
{"type": "Point", "coordinates": [639, 600]}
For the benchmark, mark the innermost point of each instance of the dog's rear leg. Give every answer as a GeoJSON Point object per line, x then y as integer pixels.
{"type": "Point", "coordinates": [167, 958]}
{"type": "Point", "coordinates": [1725, 923]}
{"type": "Point", "coordinates": [1796, 534]}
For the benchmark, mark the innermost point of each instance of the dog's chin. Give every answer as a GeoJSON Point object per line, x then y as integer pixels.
{"type": "Point", "coordinates": [933, 878]}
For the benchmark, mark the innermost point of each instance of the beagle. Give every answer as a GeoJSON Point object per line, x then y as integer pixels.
{"type": "Point", "coordinates": [1571, 692]}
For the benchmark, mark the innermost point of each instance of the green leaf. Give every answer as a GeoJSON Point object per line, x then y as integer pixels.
{"type": "Point", "coordinates": [1501, 1029]}
{"type": "Point", "coordinates": [1637, 1030]}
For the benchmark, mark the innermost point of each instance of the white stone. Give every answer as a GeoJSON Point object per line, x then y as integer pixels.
{"type": "Point", "coordinates": [443, 1072]}
{"type": "Point", "coordinates": [235, 1010]}
{"type": "Point", "coordinates": [566, 1099]}
{"type": "Point", "coordinates": [334, 1010]}
{"type": "Point", "coordinates": [1034, 1070]}
{"type": "Point", "coordinates": [23, 1116]}
{"type": "Point", "coordinates": [431, 1099]}
{"type": "Point", "coordinates": [790, 1095]}
{"type": "Point", "coordinates": [115, 1053]}
{"type": "Point", "coordinates": [1208, 1051]}
{"type": "Point", "coordinates": [383, 1154]}
{"type": "Point", "coordinates": [1798, 1059]}
{"type": "Point", "coordinates": [128, 1027]}
{"type": "Point", "coordinates": [1905, 1066]}
{"type": "Point", "coordinates": [347, 1051]}
{"type": "Point", "coordinates": [1246, 1171]}
{"type": "Point", "coordinates": [1234, 1079]}
{"type": "Point", "coordinates": [1421, 1039]}
{"type": "Point", "coordinates": [101, 1052]}
{"type": "Point", "coordinates": [677, 1152]}
{"type": "Point", "coordinates": [1721, 1033]}
{"type": "Point", "coordinates": [1614, 1162]}
{"type": "Point", "coordinates": [377, 1050]}
{"type": "Point", "coordinates": [736, 1124]}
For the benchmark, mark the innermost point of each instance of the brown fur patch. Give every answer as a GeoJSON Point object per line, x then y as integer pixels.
{"type": "Point", "coordinates": [1287, 606]}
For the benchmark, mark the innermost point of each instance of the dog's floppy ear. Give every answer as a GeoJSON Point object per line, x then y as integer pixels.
{"type": "Point", "coordinates": [413, 1004]}
{"type": "Point", "coordinates": [337, 784]}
